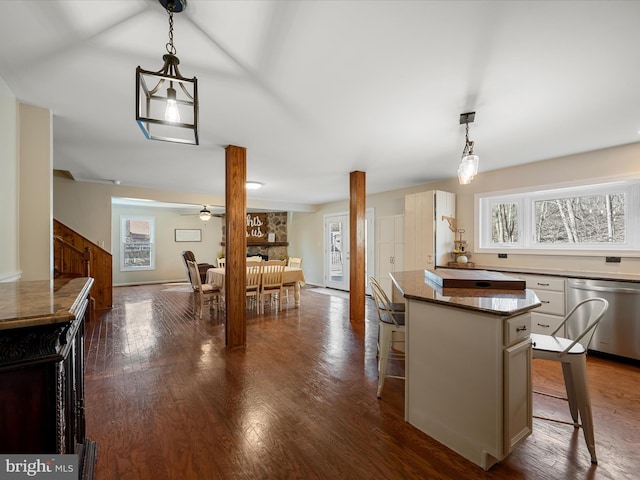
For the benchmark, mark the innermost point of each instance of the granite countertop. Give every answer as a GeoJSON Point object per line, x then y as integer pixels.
{"type": "Point", "coordinates": [618, 277]}
{"type": "Point", "coordinates": [41, 302]}
{"type": "Point", "coordinates": [413, 285]}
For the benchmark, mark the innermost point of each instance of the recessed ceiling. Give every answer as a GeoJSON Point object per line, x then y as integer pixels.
{"type": "Point", "coordinates": [317, 89]}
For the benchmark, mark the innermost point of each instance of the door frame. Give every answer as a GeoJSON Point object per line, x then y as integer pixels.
{"type": "Point", "coordinates": [369, 251]}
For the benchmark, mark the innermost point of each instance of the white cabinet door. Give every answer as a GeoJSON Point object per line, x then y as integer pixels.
{"type": "Point", "coordinates": [517, 394]}
{"type": "Point", "coordinates": [428, 240]}
{"type": "Point", "coordinates": [390, 249]}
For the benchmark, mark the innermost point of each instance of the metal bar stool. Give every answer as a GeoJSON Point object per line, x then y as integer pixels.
{"type": "Point", "coordinates": [391, 320]}
{"type": "Point", "coordinates": [573, 355]}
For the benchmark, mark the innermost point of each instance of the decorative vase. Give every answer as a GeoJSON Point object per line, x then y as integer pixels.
{"type": "Point", "coordinates": [462, 259]}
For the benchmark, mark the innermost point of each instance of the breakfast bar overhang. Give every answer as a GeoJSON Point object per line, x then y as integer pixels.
{"type": "Point", "coordinates": [468, 365]}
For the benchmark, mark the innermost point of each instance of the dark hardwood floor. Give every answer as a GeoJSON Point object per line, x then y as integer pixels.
{"type": "Point", "coordinates": [166, 400]}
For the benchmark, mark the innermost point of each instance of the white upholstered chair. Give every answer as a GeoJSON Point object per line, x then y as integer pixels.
{"type": "Point", "coordinates": [572, 353]}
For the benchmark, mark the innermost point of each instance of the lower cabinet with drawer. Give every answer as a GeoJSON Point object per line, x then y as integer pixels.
{"type": "Point", "coordinates": [551, 292]}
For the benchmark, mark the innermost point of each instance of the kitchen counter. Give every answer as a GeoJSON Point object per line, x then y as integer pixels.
{"type": "Point", "coordinates": [468, 366]}
{"type": "Point", "coordinates": [414, 285]}
{"type": "Point", "coordinates": [619, 277]}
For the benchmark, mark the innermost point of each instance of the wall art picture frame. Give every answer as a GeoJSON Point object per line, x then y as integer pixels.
{"type": "Point", "coordinates": [188, 235]}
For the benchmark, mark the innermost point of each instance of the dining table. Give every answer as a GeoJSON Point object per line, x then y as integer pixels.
{"type": "Point", "coordinates": [291, 275]}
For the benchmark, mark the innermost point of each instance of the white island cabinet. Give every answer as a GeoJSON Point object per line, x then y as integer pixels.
{"type": "Point", "coordinates": [468, 366]}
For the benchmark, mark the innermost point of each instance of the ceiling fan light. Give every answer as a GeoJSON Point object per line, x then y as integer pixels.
{"type": "Point", "coordinates": [204, 214]}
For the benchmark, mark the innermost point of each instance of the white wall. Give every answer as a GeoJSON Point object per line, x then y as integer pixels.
{"type": "Point", "coordinates": [9, 246]}
{"type": "Point", "coordinates": [305, 234]}
{"type": "Point", "coordinates": [305, 230]}
{"type": "Point", "coordinates": [169, 265]}
{"type": "Point", "coordinates": [36, 210]}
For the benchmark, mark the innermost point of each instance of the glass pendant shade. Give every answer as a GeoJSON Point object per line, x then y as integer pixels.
{"type": "Point", "coordinates": [468, 169]}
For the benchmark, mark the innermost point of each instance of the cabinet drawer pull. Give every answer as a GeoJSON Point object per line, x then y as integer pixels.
{"type": "Point", "coordinates": [543, 325]}
{"type": "Point", "coordinates": [543, 284]}
{"type": "Point", "coordinates": [521, 329]}
{"type": "Point", "coordinates": [545, 301]}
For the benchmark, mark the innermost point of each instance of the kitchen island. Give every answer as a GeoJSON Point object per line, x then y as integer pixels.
{"type": "Point", "coordinates": [468, 365]}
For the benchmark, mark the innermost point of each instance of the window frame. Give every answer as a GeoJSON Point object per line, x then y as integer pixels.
{"type": "Point", "coordinates": [526, 198]}
{"type": "Point", "coordinates": [152, 243]}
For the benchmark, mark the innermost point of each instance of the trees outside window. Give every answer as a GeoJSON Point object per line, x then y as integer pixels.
{"type": "Point", "coordinates": [585, 219]}
{"type": "Point", "coordinates": [595, 218]}
{"type": "Point", "coordinates": [137, 243]}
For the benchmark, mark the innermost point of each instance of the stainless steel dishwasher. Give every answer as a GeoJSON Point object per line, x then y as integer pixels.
{"type": "Point", "coordinates": [619, 330]}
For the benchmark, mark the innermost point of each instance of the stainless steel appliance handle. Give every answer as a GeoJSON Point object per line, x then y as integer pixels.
{"type": "Point", "coordinates": [597, 288]}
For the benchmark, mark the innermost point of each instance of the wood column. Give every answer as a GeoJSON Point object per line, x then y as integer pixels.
{"type": "Point", "coordinates": [357, 219]}
{"type": "Point", "coordinates": [235, 279]}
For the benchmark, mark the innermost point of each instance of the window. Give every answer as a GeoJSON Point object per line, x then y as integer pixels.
{"type": "Point", "coordinates": [137, 243]}
{"type": "Point", "coordinates": [591, 218]}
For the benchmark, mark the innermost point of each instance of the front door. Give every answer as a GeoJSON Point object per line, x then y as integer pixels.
{"type": "Point", "coordinates": [336, 240]}
{"type": "Point", "coordinates": [336, 231]}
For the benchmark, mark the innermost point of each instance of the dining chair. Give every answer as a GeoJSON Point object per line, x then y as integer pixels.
{"type": "Point", "coordinates": [293, 262]}
{"type": "Point", "coordinates": [203, 293]}
{"type": "Point", "coordinates": [572, 353]}
{"type": "Point", "coordinates": [221, 262]}
{"type": "Point", "coordinates": [254, 277]}
{"type": "Point", "coordinates": [271, 283]}
{"type": "Point", "coordinates": [390, 321]}
{"type": "Point", "coordinates": [201, 267]}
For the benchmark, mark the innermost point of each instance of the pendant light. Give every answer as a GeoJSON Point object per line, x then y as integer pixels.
{"type": "Point", "coordinates": [167, 102]}
{"type": "Point", "coordinates": [468, 167]}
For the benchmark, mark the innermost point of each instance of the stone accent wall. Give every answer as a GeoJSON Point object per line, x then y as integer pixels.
{"type": "Point", "coordinates": [277, 224]}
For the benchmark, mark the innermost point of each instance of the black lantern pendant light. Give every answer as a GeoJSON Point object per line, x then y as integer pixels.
{"type": "Point", "coordinates": [167, 102]}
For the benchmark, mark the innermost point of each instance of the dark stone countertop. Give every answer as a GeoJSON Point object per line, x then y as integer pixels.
{"type": "Point", "coordinates": [413, 285]}
{"type": "Point", "coordinates": [41, 302]}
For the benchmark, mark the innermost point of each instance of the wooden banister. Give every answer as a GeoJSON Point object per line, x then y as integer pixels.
{"type": "Point", "coordinates": [76, 256]}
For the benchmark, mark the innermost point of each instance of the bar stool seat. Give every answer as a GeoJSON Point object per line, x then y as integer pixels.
{"type": "Point", "coordinates": [390, 321]}
{"type": "Point", "coordinates": [572, 353]}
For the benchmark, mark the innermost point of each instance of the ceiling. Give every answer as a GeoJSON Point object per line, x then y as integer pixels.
{"type": "Point", "coordinates": [317, 89]}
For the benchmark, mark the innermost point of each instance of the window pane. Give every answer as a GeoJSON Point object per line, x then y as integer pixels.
{"type": "Point", "coordinates": [504, 222]}
{"type": "Point", "coordinates": [585, 219]}
{"type": "Point", "coordinates": [137, 231]}
{"type": "Point", "coordinates": [137, 254]}
{"type": "Point", "coordinates": [136, 247]}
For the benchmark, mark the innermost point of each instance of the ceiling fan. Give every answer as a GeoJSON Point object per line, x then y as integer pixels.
{"type": "Point", "coordinates": [205, 214]}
